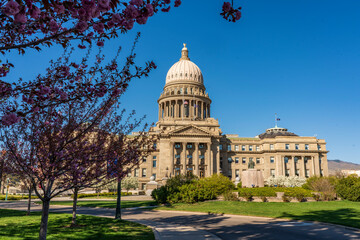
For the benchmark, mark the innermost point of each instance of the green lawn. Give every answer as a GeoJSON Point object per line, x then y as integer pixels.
{"type": "Point", "coordinates": [15, 225]}
{"type": "Point", "coordinates": [338, 212]}
{"type": "Point", "coordinates": [106, 204]}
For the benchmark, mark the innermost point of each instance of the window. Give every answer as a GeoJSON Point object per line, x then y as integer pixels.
{"type": "Point", "coordinates": [229, 159]}
{"type": "Point", "coordinates": [143, 172]}
{"type": "Point", "coordinates": [136, 172]}
{"type": "Point", "coordinates": [229, 147]}
{"type": "Point", "coordinates": [220, 147]}
{"type": "Point", "coordinates": [177, 145]}
{"type": "Point", "coordinates": [297, 172]}
{"type": "Point", "coordinates": [257, 160]}
{"type": "Point", "coordinates": [243, 160]}
{"type": "Point", "coordinates": [189, 145]}
{"type": "Point", "coordinates": [321, 172]}
{"type": "Point", "coordinates": [286, 159]}
{"type": "Point", "coordinates": [272, 159]}
{"type": "Point", "coordinates": [250, 159]}
{"type": "Point", "coordinates": [243, 148]}
{"type": "Point", "coordinates": [154, 163]}
{"type": "Point", "coordinates": [287, 146]}
{"type": "Point", "coordinates": [319, 147]}
{"type": "Point", "coordinates": [154, 175]}
{"type": "Point", "coordinates": [129, 174]}
{"type": "Point", "coordinates": [144, 159]}
{"type": "Point", "coordinates": [306, 146]}
{"type": "Point", "coordinates": [250, 148]}
{"type": "Point", "coordinates": [201, 146]}
{"type": "Point", "coordinates": [236, 160]}
{"type": "Point", "coordinates": [237, 173]}
{"type": "Point", "coordinates": [143, 186]}
{"type": "Point", "coordinates": [272, 172]}
{"type": "Point", "coordinates": [154, 146]}
{"type": "Point", "coordinates": [296, 146]}
{"type": "Point", "coordinates": [307, 173]}
{"type": "Point", "coordinates": [154, 157]}
{"type": "Point", "coordinates": [189, 156]}
{"type": "Point", "coordinates": [257, 148]}
{"type": "Point", "coordinates": [236, 147]}
{"type": "Point", "coordinates": [271, 146]}
{"type": "Point", "coordinates": [306, 159]}
{"type": "Point", "coordinates": [296, 159]}
{"type": "Point", "coordinates": [287, 172]}
{"type": "Point", "coordinates": [177, 155]}
{"type": "Point", "coordinates": [201, 156]}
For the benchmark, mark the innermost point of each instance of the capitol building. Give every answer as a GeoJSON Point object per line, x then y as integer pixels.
{"type": "Point", "coordinates": [190, 139]}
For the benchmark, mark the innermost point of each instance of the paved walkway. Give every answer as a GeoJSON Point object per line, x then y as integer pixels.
{"type": "Point", "coordinates": [186, 225]}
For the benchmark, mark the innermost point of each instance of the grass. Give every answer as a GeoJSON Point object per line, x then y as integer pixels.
{"type": "Point", "coordinates": [106, 204]}
{"type": "Point", "coordinates": [15, 225]}
{"type": "Point", "coordinates": [337, 212]}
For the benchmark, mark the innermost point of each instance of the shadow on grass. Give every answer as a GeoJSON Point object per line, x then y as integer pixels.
{"type": "Point", "coordinates": [16, 224]}
{"type": "Point", "coordinates": [344, 216]}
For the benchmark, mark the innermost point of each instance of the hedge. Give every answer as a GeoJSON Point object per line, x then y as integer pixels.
{"type": "Point", "coordinates": [271, 191]}
{"type": "Point", "coordinates": [85, 195]}
{"type": "Point", "coordinates": [16, 197]}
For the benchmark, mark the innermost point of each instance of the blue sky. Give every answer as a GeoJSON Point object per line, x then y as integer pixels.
{"type": "Point", "coordinates": [299, 59]}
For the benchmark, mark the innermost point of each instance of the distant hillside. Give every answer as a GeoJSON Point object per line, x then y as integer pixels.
{"type": "Point", "coordinates": [336, 165]}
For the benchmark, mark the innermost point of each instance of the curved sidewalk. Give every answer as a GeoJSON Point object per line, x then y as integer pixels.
{"type": "Point", "coordinates": [162, 231]}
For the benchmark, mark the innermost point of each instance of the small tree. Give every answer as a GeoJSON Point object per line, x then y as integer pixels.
{"type": "Point", "coordinates": [129, 183]}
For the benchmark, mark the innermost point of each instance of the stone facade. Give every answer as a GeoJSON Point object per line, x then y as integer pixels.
{"type": "Point", "coordinates": [190, 140]}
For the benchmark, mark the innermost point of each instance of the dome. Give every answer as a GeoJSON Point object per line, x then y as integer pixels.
{"type": "Point", "coordinates": [184, 70]}
{"type": "Point", "coordinates": [276, 131]}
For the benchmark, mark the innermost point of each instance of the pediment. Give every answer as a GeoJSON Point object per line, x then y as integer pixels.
{"type": "Point", "coordinates": [189, 130]}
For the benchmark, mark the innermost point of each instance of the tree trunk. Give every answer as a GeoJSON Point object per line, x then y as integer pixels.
{"type": "Point", "coordinates": [29, 201]}
{"type": "Point", "coordinates": [118, 201]}
{"type": "Point", "coordinates": [44, 219]}
{"type": "Point", "coordinates": [73, 223]}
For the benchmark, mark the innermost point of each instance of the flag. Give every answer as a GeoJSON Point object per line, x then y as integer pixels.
{"type": "Point", "coordinates": [186, 102]}
{"type": "Point", "coordinates": [277, 119]}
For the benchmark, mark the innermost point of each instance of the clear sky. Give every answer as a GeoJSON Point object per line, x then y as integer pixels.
{"type": "Point", "coordinates": [299, 59]}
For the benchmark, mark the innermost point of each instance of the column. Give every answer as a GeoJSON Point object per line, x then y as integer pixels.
{"type": "Point", "coordinates": [302, 166]}
{"type": "Point", "coordinates": [313, 165]}
{"type": "Point", "coordinates": [191, 110]}
{"type": "Point", "coordinates": [217, 159]}
{"type": "Point", "coordinates": [176, 109]}
{"type": "Point", "coordinates": [171, 172]}
{"type": "Point", "coordinates": [183, 158]}
{"type": "Point", "coordinates": [201, 110]}
{"type": "Point", "coordinates": [208, 156]}
{"type": "Point", "coordinates": [196, 160]}
{"type": "Point", "coordinates": [283, 165]}
{"type": "Point", "coordinates": [292, 166]}
{"type": "Point", "coordinates": [159, 111]}
{"type": "Point", "coordinates": [316, 165]}
{"type": "Point", "coordinates": [279, 166]}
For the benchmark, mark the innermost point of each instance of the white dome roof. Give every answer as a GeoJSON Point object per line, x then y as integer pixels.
{"type": "Point", "coordinates": [184, 70]}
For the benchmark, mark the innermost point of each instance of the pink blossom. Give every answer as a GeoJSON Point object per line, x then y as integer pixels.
{"type": "Point", "coordinates": [59, 8]}
{"type": "Point", "coordinates": [11, 8]}
{"type": "Point", "coordinates": [99, 27]}
{"type": "Point", "coordinates": [226, 7]}
{"type": "Point", "coordinates": [117, 18]}
{"type": "Point", "coordinates": [34, 12]}
{"type": "Point", "coordinates": [53, 26]}
{"type": "Point", "coordinates": [137, 2]}
{"type": "Point", "coordinates": [149, 9]}
{"type": "Point", "coordinates": [82, 12]}
{"type": "Point", "coordinates": [165, 9]}
{"type": "Point", "coordinates": [81, 26]}
{"type": "Point", "coordinates": [10, 119]}
{"type": "Point", "coordinates": [238, 15]}
{"type": "Point", "coordinates": [100, 43]}
{"type": "Point", "coordinates": [129, 24]}
{"type": "Point", "coordinates": [167, 1]}
{"type": "Point", "coordinates": [142, 19]}
{"type": "Point", "coordinates": [110, 24]}
{"type": "Point", "coordinates": [131, 11]}
{"type": "Point", "coordinates": [81, 46]}
{"type": "Point", "coordinates": [177, 3]}
{"type": "Point", "coordinates": [20, 17]}
{"type": "Point", "coordinates": [104, 5]}
{"type": "Point", "coordinates": [63, 96]}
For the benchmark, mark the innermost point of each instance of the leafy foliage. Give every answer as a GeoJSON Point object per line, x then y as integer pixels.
{"type": "Point", "coordinates": [129, 183]}
{"type": "Point", "coordinates": [282, 181]}
{"type": "Point", "coordinates": [349, 188]}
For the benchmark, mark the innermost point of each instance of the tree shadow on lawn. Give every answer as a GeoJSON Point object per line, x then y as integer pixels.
{"type": "Point", "coordinates": [344, 216]}
{"type": "Point", "coordinates": [27, 227]}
